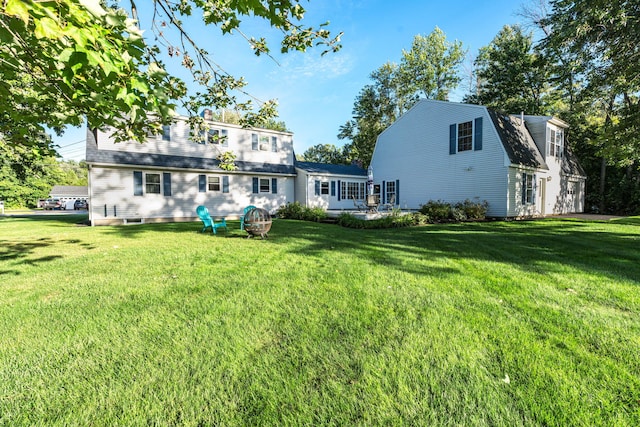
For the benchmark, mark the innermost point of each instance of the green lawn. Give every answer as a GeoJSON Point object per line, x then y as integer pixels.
{"type": "Point", "coordinates": [497, 324]}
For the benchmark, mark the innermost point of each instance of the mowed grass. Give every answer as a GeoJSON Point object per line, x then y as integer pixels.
{"type": "Point", "coordinates": [497, 324]}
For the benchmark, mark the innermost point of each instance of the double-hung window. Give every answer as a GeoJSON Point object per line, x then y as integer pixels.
{"type": "Point", "coordinates": [465, 136]}
{"type": "Point", "coordinates": [390, 192]}
{"type": "Point", "coordinates": [213, 183]}
{"type": "Point", "coordinates": [555, 142]}
{"type": "Point", "coordinates": [264, 142]}
{"type": "Point", "coordinates": [265, 186]}
{"type": "Point", "coordinates": [151, 183]}
{"type": "Point", "coordinates": [218, 136]}
{"type": "Point", "coordinates": [166, 133]}
{"type": "Point", "coordinates": [528, 187]}
{"type": "Point", "coordinates": [324, 187]}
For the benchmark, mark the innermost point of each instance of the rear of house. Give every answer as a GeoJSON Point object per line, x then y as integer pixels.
{"type": "Point", "coordinates": [452, 152]}
{"type": "Point", "coordinates": [167, 177]}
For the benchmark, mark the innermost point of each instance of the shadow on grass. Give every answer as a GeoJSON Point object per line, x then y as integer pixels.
{"type": "Point", "coordinates": [539, 246]}
{"type": "Point", "coordinates": [19, 252]}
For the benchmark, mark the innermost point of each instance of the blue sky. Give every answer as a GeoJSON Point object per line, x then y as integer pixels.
{"type": "Point", "coordinates": [316, 93]}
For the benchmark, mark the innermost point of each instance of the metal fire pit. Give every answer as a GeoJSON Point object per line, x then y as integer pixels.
{"type": "Point", "coordinates": [257, 222]}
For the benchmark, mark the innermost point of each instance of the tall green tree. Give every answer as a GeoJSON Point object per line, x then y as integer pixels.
{"type": "Point", "coordinates": [327, 153]}
{"type": "Point", "coordinates": [600, 40]}
{"type": "Point", "coordinates": [65, 61]}
{"type": "Point", "coordinates": [376, 107]}
{"type": "Point", "coordinates": [27, 173]}
{"type": "Point", "coordinates": [431, 67]}
{"type": "Point", "coordinates": [512, 76]}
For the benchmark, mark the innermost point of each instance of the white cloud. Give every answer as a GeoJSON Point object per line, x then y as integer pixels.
{"type": "Point", "coordinates": [305, 66]}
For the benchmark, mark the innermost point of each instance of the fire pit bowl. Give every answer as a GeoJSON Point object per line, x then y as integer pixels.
{"type": "Point", "coordinates": [257, 222]}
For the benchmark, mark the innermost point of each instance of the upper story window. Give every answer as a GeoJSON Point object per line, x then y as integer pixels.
{"type": "Point", "coordinates": [465, 136]}
{"type": "Point", "coordinates": [166, 132]}
{"type": "Point", "coordinates": [218, 136]}
{"type": "Point", "coordinates": [264, 142]}
{"type": "Point", "coordinates": [556, 137]}
{"type": "Point", "coordinates": [214, 136]}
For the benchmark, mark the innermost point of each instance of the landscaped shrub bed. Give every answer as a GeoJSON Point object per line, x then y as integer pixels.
{"type": "Point", "coordinates": [440, 211]}
{"type": "Point", "coordinates": [391, 221]}
{"type": "Point", "coordinates": [295, 210]}
{"type": "Point", "coordinates": [434, 211]}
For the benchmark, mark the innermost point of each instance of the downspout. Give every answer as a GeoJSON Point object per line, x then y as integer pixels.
{"type": "Point", "coordinates": [91, 204]}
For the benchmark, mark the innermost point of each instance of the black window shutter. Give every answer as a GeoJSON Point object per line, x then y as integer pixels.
{"type": "Point", "coordinates": [477, 134]}
{"type": "Point", "coordinates": [202, 183]}
{"type": "Point", "coordinates": [166, 183]}
{"type": "Point", "coordinates": [339, 190]}
{"type": "Point", "coordinates": [524, 188]}
{"type": "Point", "coordinates": [256, 189]}
{"type": "Point", "coordinates": [397, 192]}
{"type": "Point", "coordinates": [333, 188]}
{"type": "Point", "coordinates": [225, 184]}
{"type": "Point", "coordinates": [137, 183]}
{"type": "Point", "coordinates": [317, 187]}
{"type": "Point", "coordinates": [452, 139]}
{"type": "Point", "coordinates": [274, 185]}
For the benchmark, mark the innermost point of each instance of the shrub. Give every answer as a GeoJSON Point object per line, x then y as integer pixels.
{"type": "Point", "coordinates": [296, 211]}
{"type": "Point", "coordinates": [440, 211]}
{"type": "Point", "coordinates": [392, 221]}
{"type": "Point", "coordinates": [473, 210]}
{"type": "Point", "coordinates": [436, 210]}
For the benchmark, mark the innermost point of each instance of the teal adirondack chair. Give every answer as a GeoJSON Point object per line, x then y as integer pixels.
{"type": "Point", "coordinates": [247, 209]}
{"type": "Point", "coordinates": [208, 221]}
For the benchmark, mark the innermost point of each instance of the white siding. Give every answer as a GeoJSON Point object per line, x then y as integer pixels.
{"type": "Point", "coordinates": [114, 193]}
{"type": "Point", "coordinates": [111, 186]}
{"type": "Point", "coordinates": [306, 190]}
{"type": "Point", "coordinates": [415, 151]}
{"type": "Point", "coordinates": [239, 141]}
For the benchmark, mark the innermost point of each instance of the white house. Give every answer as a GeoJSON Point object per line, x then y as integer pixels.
{"type": "Point", "coordinates": [331, 187]}
{"type": "Point", "coordinates": [450, 151]}
{"type": "Point", "coordinates": [167, 177]}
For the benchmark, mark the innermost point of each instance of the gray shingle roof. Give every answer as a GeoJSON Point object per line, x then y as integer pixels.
{"type": "Point", "coordinates": [570, 164]}
{"type": "Point", "coordinates": [162, 161]}
{"type": "Point", "coordinates": [517, 141]}
{"type": "Point", "coordinates": [330, 169]}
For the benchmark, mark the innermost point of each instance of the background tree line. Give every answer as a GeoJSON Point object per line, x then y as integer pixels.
{"type": "Point", "coordinates": [28, 173]}
{"type": "Point", "coordinates": [585, 69]}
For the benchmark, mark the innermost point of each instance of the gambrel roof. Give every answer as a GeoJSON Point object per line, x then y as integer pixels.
{"type": "Point", "coordinates": [517, 141]}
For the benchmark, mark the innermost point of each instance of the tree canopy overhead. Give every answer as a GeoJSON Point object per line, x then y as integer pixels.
{"type": "Point", "coordinates": [64, 61]}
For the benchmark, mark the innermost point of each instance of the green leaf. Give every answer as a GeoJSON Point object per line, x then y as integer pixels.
{"type": "Point", "coordinates": [17, 8]}
{"type": "Point", "coordinates": [47, 28]}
